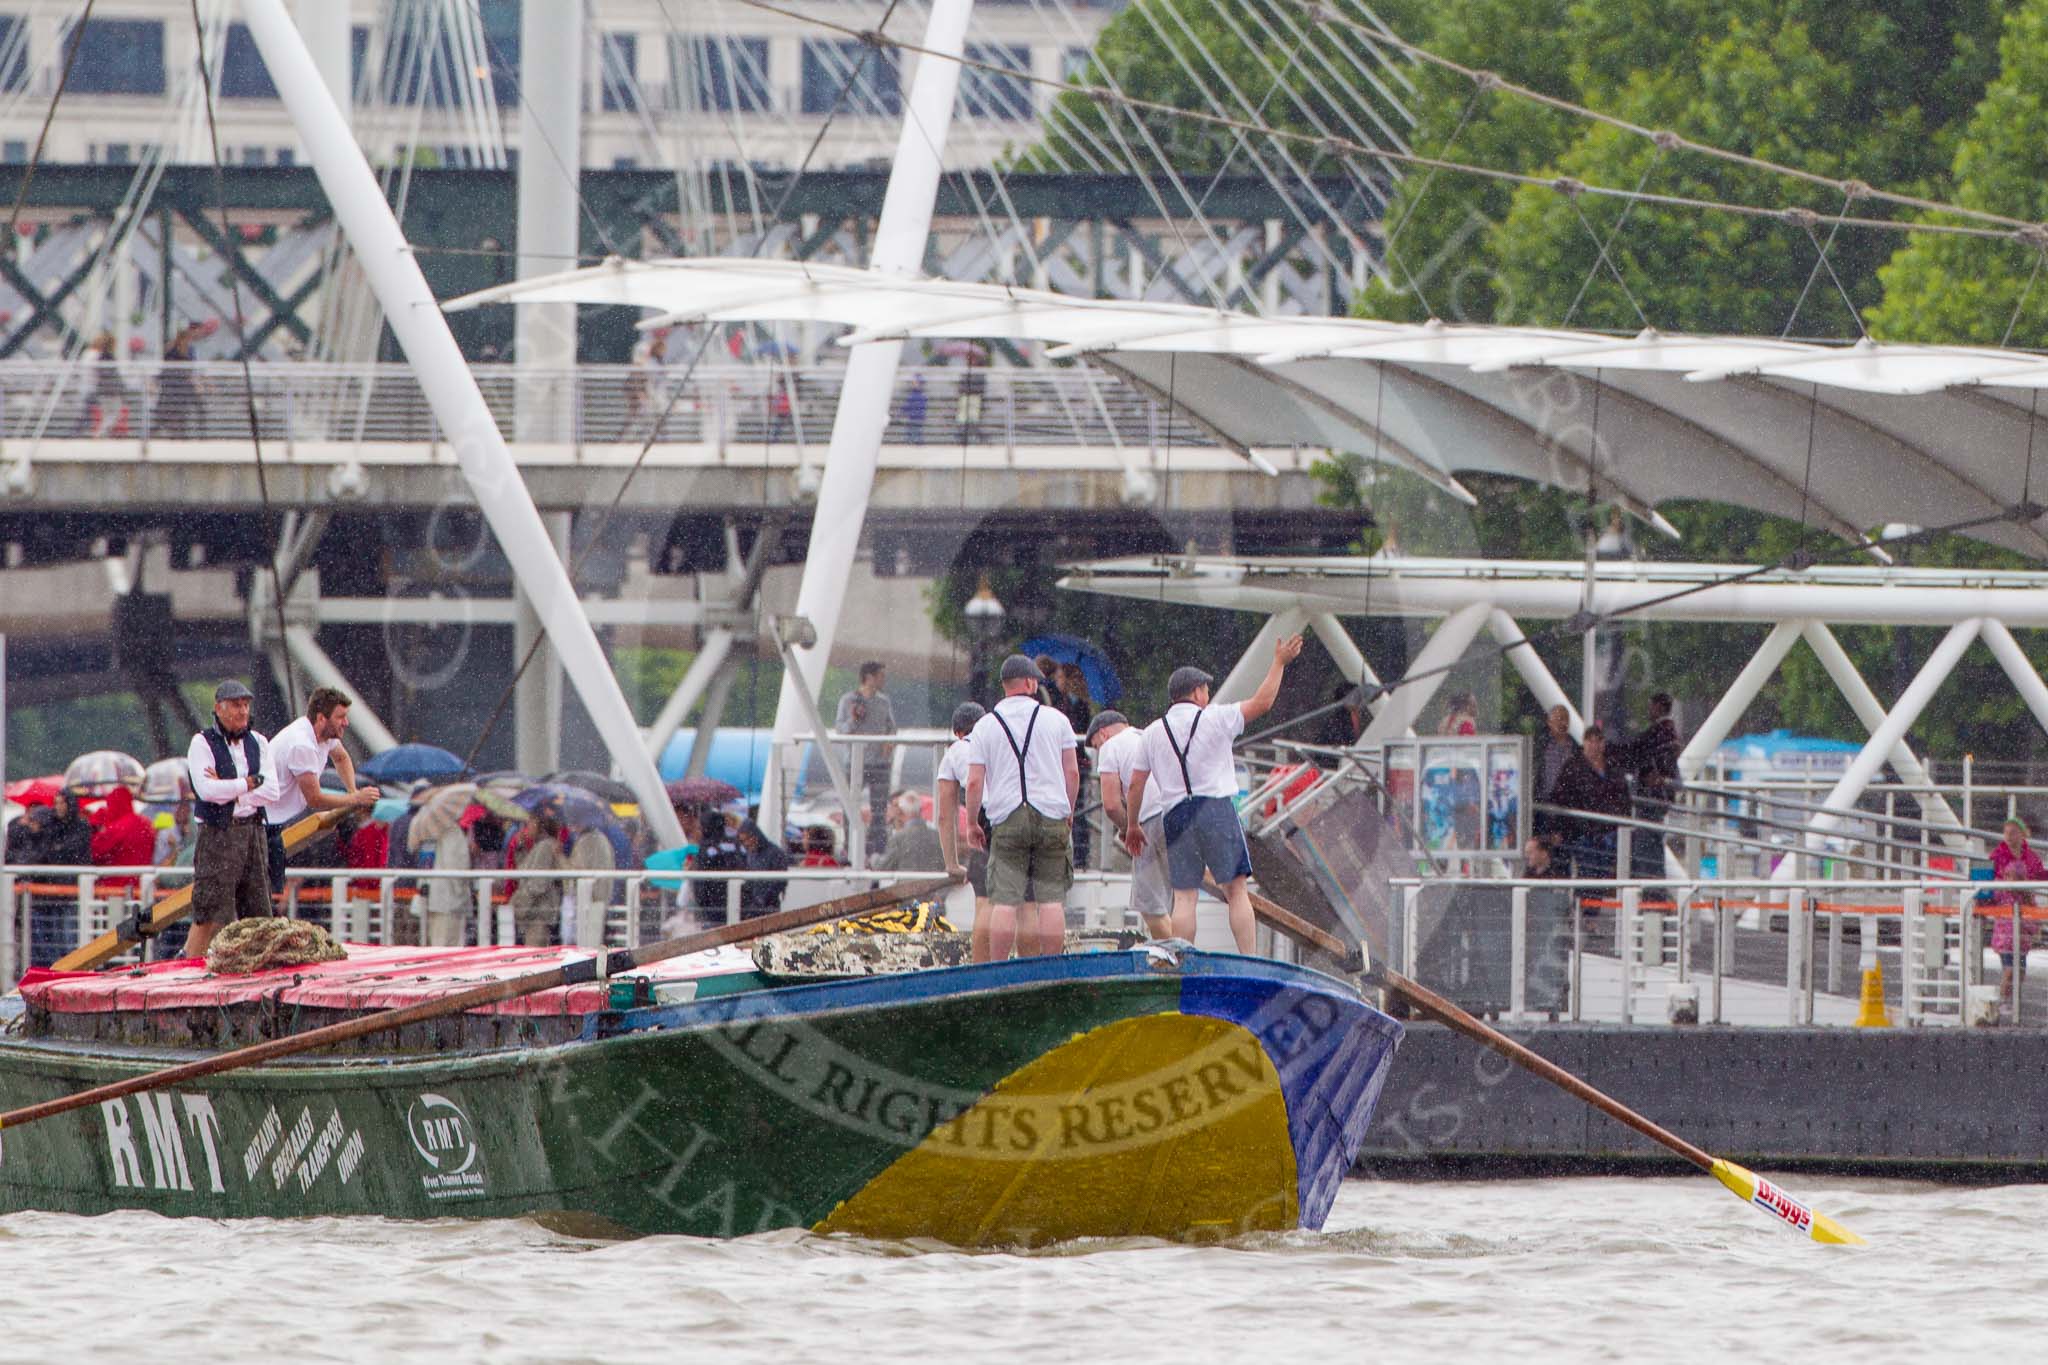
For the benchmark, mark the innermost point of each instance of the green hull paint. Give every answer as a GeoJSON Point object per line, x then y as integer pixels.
{"type": "Point", "coordinates": [714, 1128]}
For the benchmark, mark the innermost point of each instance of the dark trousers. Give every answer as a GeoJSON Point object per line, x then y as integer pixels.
{"type": "Point", "coordinates": [274, 837]}
{"type": "Point", "coordinates": [228, 874]}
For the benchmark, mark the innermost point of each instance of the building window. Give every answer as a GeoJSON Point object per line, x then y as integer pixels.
{"type": "Point", "coordinates": [287, 157]}
{"type": "Point", "coordinates": [625, 163]}
{"type": "Point", "coordinates": [619, 91]}
{"type": "Point", "coordinates": [14, 151]}
{"type": "Point", "coordinates": [729, 75]}
{"type": "Point", "coordinates": [114, 153]}
{"type": "Point", "coordinates": [1074, 64]}
{"type": "Point", "coordinates": [413, 75]}
{"type": "Point", "coordinates": [869, 77]}
{"type": "Point", "coordinates": [116, 57]}
{"type": "Point", "coordinates": [253, 156]}
{"type": "Point", "coordinates": [358, 53]}
{"type": "Point", "coordinates": [13, 52]}
{"type": "Point", "coordinates": [243, 76]}
{"type": "Point", "coordinates": [986, 94]}
{"type": "Point", "coordinates": [501, 48]}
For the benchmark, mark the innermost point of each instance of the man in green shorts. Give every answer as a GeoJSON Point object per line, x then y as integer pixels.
{"type": "Point", "coordinates": [1024, 769]}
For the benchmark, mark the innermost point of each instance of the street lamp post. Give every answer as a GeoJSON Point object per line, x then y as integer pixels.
{"type": "Point", "coordinates": [985, 614]}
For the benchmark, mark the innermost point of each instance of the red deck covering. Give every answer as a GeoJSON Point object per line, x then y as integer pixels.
{"type": "Point", "coordinates": [370, 978]}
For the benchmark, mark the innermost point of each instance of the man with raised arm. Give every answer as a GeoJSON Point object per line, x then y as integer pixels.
{"type": "Point", "coordinates": [229, 765]}
{"type": "Point", "coordinates": [1116, 743]}
{"type": "Point", "coordinates": [1186, 758]}
{"type": "Point", "coordinates": [1023, 764]}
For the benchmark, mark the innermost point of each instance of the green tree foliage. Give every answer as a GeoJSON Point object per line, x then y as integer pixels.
{"type": "Point", "coordinates": [1842, 88]}
{"type": "Point", "coordinates": [1971, 290]}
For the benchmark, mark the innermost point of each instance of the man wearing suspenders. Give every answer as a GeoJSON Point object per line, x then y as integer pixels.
{"type": "Point", "coordinates": [1117, 744]}
{"type": "Point", "coordinates": [1186, 759]}
{"type": "Point", "coordinates": [229, 765]}
{"type": "Point", "coordinates": [1023, 764]}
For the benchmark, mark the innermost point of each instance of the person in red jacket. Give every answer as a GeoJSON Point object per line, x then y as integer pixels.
{"type": "Point", "coordinates": [124, 839]}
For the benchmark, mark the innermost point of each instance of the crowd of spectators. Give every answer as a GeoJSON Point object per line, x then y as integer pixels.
{"type": "Point", "coordinates": [1598, 781]}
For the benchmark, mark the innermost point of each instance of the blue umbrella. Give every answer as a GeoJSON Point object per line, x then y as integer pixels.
{"type": "Point", "coordinates": [410, 763]}
{"type": "Point", "coordinates": [577, 806]}
{"type": "Point", "coordinates": [1103, 684]}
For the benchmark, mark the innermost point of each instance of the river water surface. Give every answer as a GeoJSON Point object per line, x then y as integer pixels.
{"type": "Point", "coordinates": [1561, 1269]}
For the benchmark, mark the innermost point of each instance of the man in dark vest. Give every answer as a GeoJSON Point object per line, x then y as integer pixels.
{"type": "Point", "coordinates": [230, 767]}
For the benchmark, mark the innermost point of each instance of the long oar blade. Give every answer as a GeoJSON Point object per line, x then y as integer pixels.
{"type": "Point", "coordinates": [1741, 1180]}
{"type": "Point", "coordinates": [1747, 1184]}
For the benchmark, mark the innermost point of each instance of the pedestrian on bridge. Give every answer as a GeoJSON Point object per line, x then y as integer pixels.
{"type": "Point", "coordinates": [915, 402]}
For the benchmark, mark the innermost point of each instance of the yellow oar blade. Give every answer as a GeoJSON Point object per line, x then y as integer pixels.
{"type": "Point", "coordinates": [1748, 1185]}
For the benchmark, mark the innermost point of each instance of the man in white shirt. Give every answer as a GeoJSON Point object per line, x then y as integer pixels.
{"type": "Point", "coordinates": [949, 801]}
{"type": "Point", "coordinates": [1117, 743]}
{"type": "Point", "coordinates": [229, 765]}
{"type": "Point", "coordinates": [1024, 766]}
{"type": "Point", "coordinates": [299, 753]}
{"type": "Point", "coordinates": [1186, 761]}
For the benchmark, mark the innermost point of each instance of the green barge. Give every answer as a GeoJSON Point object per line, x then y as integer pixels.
{"type": "Point", "coordinates": [1160, 1091]}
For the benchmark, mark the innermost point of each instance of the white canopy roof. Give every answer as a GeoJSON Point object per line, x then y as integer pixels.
{"type": "Point", "coordinates": [1555, 590]}
{"type": "Point", "coordinates": [1855, 436]}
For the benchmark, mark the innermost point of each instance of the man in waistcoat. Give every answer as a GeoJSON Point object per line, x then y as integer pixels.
{"type": "Point", "coordinates": [1022, 767]}
{"type": "Point", "coordinates": [229, 765]}
{"type": "Point", "coordinates": [1187, 762]}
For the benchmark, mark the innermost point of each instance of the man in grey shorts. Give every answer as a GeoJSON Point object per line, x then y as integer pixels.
{"type": "Point", "coordinates": [1022, 763]}
{"type": "Point", "coordinates": [1117, 744]}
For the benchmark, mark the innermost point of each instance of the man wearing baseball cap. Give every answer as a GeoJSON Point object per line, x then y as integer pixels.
{"type": "Point", "coordinates": [1116, 743]}
{"type": "Point", "coordinates": [1187, 763]}
{"type": "Point", "coordinates": [229, 765]}
{"type": "Point", "coordinates": [1023, 763]}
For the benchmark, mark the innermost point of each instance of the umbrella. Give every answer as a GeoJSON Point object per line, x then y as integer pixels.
{"type": "Point", "coordinates": [701, 791]}
{"type": "Point", "coordinates": [35, 791]}
{"type": "Point", "coordinates": [578, 807]}
{"type": "Point", "coordinates": [973, 352]}
{"type": "Point", "coordinates": [166, 782]}
{"type": "Point", "coordinates": [615, 793]}
{"type": "Point", "coordinates": [499, 804]}
{"type": "Point", "coordinates": [410, 763]}
{"type": "Point", "coordinates": [102, 770]}
{"type": "Point", "coordinates": [1103, 684]}
{"type": "Point", "coordinates": [439, 813]}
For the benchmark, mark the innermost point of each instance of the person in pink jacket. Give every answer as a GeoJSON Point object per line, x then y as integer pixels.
{"type": "Point", "coordinates": [2014, 860]}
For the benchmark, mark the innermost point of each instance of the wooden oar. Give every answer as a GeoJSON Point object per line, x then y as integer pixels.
{"type": "Point", "coordinates": [174, 907]}
{"type": "Point", "coordinates": [1744, 1183]}
{"type": "Point", "coordinates": [574, 973]}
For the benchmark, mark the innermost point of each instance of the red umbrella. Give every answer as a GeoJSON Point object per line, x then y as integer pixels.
{"type": "Point", "coordinates": [35, 791]}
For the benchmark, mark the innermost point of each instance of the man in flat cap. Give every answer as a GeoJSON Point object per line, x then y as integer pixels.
{"type": "Point", "coordinates": [230, 770]}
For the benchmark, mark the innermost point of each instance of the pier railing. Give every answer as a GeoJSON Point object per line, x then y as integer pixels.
{"type": "Point", "coordinates": [718, 405]}
{"type": "Point", "coordinates": [1751, 952]}
{"type": "Point", "coordinates": [1743, 953]}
